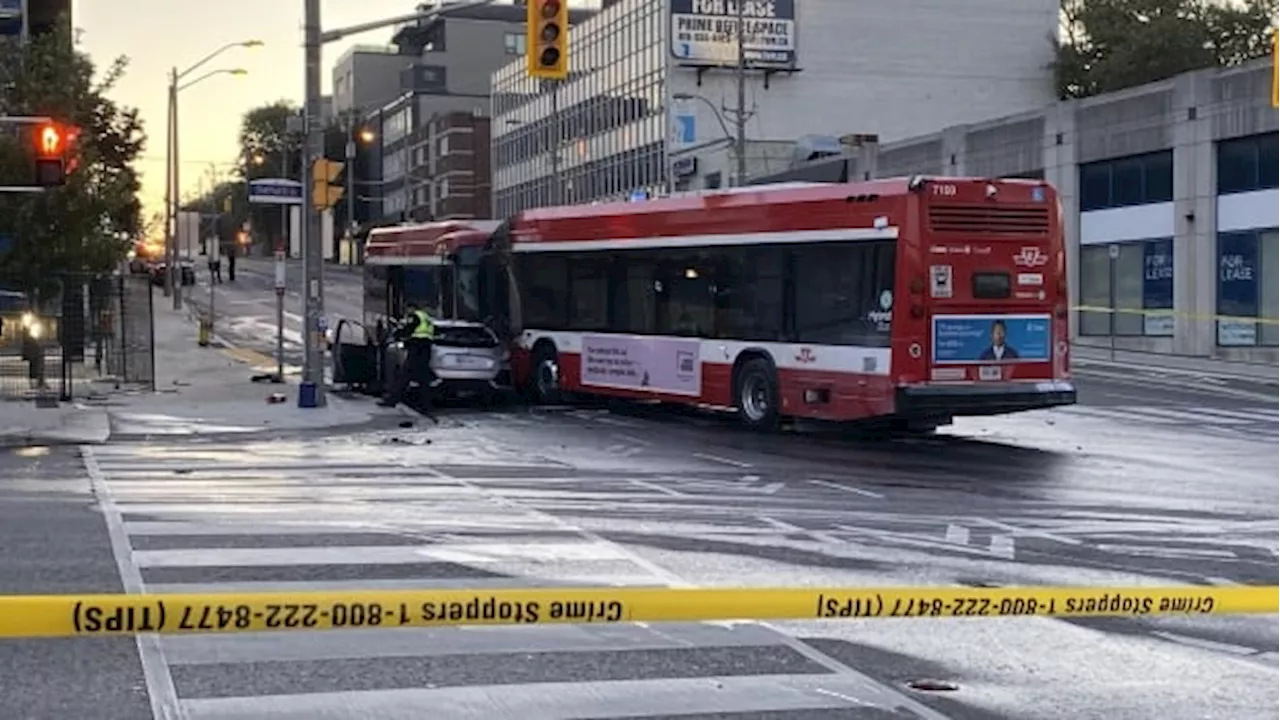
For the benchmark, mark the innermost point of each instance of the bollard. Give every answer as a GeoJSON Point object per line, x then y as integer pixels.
{"type": "Point", "coordinates": [206, 331]}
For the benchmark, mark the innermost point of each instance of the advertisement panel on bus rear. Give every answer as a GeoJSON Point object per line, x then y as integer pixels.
{"type": "Point", "coordinates": [991, 338]}
{"type": "Point", "coordinates": [667, 365]}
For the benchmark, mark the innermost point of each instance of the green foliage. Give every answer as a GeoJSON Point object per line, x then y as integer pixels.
{"type": "Point", "coordinates": [267, 150]}
{"type": "Point", "coordinates": [1109, 45]}
{"type": "Point", "coordinates": [91, 222]}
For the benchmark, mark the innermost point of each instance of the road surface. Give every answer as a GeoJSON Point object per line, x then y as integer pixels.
{"type": "Point", "coordinates": [1153, 478]}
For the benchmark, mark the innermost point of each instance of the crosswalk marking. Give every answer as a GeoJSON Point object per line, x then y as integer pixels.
{"type": "Point", "coordinates": [1211, 417]}
{"type": "Point", "coordinates": [226, 518]}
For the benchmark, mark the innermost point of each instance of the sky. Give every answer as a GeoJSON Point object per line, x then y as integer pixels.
{"type": "Point", "coordinates": [157, 35]}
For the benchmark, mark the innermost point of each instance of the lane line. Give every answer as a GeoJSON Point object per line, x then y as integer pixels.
{"type": "Point", "coordinates": [848, 488]}
{"type": "Point", "coordinates": [722, 460]}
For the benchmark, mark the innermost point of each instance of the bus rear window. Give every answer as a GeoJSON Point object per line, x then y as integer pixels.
{"type": "Point", "coordinates": [991, 285]}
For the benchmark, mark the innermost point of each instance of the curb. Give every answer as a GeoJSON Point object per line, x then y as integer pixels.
{"type": "Point", "coordinates": [1082, 363]}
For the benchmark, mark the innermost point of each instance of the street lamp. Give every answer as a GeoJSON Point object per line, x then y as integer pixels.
{"type": "Point", "coordinates": [172, 285]}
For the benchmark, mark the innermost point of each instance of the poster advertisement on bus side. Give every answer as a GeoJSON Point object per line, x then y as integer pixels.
{"type": "Point", "coordinates": [971, 339]}
{"type": "Point", "coordinates": [667, 365]}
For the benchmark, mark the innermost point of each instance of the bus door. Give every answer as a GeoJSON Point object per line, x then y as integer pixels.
{"type": "Point", "coordinates": [994, 266]}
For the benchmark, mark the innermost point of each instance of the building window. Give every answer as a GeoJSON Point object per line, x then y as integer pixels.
{"type": "Point", "coordinates": [1247, 163]}
{"type": "Point", "coordinates": [1133, 281]}
{"type": "Point", "coordinates": [1247, 288]}
{"type": "Point", "coordinates": [1135, 180]}
{"type": "Point", "coordinates": [513, 43]}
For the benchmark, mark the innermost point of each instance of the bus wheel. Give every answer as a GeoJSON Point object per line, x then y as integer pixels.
{"type": "Point", "coordinates": [757, 396]}
{"type": "Point", "coordinates": [546, 376]}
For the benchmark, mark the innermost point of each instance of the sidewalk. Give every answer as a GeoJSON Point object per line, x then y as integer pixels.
{"type": "Point", "coordinates": [199, 391]}
{"type": "Point", "coordinates": [1083, 358]}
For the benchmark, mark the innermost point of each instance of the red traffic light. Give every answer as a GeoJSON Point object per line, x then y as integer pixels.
{"type": "Point", "coordinates": [550, 8]}
{"type": "Point", "coordinates": [49, 141]}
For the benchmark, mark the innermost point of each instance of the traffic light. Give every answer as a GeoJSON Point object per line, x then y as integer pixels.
{"type": "Point", "coordinates": [323, 193]}
{"type": "Point", "coordinates": [547, 39]}
{"type": "Point", "coordinates": [51, 152]}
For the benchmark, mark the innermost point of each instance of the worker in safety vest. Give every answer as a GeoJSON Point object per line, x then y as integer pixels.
{"type": "Point", "coordinates": [417, 330]}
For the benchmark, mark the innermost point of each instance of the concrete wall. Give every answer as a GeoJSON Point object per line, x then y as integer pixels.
{"type": "Point", "coordinates": [367, 77]}
{"type": "Point", "coordinates": [1186, 115]}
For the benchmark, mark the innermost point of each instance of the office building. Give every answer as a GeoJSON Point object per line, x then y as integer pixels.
{"type": "Point", "coordinates": [443, 103]}
{"type": "Point", "coordinates": [1170, 203]}
{"type": "Point", "coordinates": [368, 76]}
{"type": "Point", "coordinates": [651, 100]}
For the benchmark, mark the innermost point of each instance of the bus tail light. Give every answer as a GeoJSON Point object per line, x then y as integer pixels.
{"type": "Point", "coordinates": [917, 286]}
{"type": "Point", "coordinates": [1060, 311]}
{"type": "Point", "coordinates": [917, 311]}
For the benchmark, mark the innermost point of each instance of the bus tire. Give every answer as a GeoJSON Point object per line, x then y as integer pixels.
{"type": "Point", "coordinates": [544, 381]}
{"type": "Point", "coordinates": [756, 395]}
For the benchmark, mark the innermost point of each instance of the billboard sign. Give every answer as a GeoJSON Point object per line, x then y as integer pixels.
{"type": "Point", "coordinates": [275, 191]}
{"type": "Point", "coordinates": [705, 32]}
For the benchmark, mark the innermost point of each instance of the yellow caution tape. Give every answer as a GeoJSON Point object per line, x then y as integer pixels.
{"type": "Point", "coordinates": [1170, 313]}
{"type": "Point", "coordinates": [92, 615]}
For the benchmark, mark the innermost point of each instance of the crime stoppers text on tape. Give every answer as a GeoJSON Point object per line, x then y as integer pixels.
{"type": "Point", "coordinates": [71, 615]}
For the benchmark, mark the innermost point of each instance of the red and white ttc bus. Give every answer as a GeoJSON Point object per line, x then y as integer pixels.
{"type": "Point", "coordinates": [904, 302]}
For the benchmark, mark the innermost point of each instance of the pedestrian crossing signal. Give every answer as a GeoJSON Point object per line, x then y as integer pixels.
{"type": "Point", "coordinates": [51, 164]}
{"type": "Point", "coordinates": [547, 39]}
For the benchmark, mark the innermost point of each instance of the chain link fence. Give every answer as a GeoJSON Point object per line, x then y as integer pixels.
{"type": "Point", "coordinates": [76, 335]}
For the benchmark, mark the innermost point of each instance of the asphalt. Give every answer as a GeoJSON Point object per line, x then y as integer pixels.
{"type": "Point", "coordinates": [1153, 478]}
{"type": "Point", "coordinates": [54, 541]}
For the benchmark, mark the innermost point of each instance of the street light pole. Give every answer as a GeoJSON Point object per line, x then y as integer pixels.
{"type": "Point", "coordinates": [168, 187]}
{"type": "Point", "coordinates": [174, 279]}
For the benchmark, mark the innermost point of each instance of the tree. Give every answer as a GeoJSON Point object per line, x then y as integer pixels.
{"type": "Point", "coordinates": [89, 224]}
{"type": "Point", "coordinates": [267, 150]}
{"type": "Point", "coordinates": [1109, 45]}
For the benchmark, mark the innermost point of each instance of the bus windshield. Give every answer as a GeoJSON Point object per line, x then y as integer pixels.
{"type": "Point", "coordinates": [468, 284]}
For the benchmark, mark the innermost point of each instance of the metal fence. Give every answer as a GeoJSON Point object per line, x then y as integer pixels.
{"type": "Point", "coordinates": [75, 335]}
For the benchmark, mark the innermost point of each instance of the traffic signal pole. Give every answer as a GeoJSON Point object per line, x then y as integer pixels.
{"type": "Point", "coordinates": [312, 391]}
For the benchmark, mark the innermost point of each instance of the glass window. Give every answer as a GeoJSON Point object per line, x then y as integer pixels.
{"type": "Point", "coordinates": [589, 293]}
{"type": "Point", "coordinates": [844, 293]}
{"type": "Point", "coordinates": [1095, 186]}
{"type": "Point", "coordinates": [685, 293]}
{"type": "Point", "coordinates": [1237, 166]}
{"type": "Point", "coordinates": [634, 294]}
{"type": "Point", "coordinates": [1121, 182]}
{"type": "Point", "coordinates": [1130, 286]}
{"type": "Point", "coordinates": [1247, 280]}
{"type": "Point", "coordinates": [1095, 290]}
{"type": "Point", "coordinates": [513, 43]}
{"type": "Point", "coordinates": [1127, 279]}
{"type": "Point", "coordinates": [544, 281]}
{"type": "Point", "coordinates": [749, 294]}
{"type": "Point", "coordinates": [1157, 177]}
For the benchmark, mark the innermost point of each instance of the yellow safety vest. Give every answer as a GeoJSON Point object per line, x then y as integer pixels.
{"type": "Point", "coordinates": [425, 329]}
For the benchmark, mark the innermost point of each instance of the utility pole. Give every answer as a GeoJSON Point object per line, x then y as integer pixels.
{"type": "Point", "coordinates": [311, 393]}
{"type": "Point", "coordinates": [740, 113]}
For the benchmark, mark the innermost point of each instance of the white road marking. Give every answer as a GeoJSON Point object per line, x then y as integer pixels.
{"type": "Point", "coordinates": [957, 534]}
{"type": "Point", "coordinates": [155, 672]}
{"type": "Point", "coordinates": [848, 488]}
{"type": "Point", "coordinates": [722, 460]}
{"type": "Point", "coordinates": [1205, 644]}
